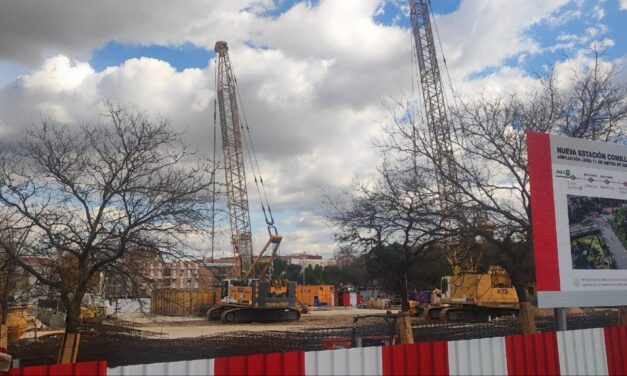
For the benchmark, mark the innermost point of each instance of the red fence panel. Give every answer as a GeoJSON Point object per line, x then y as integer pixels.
{"type": "Point", "coordinates": [98, 368]}
{"type": "Point", "coordinates": [427, 358]}
{"type": "Point", "coordinates": [532, 354]}
{"type": "Point", "coordinates": [616, 349]}
{"type": "Point", "coordinates": [291, 363]}
{"type": "Point", "coordinates": [346, 299]}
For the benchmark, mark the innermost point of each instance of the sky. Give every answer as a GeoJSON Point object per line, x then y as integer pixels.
{"type": "Point", "coordinates": [313, 75]}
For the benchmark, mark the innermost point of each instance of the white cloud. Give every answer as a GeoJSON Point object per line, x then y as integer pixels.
{"type": "Point", "coordinates": [598, 12]}
{"type": "Point", "coordinates": [57, 75]}
{"type": "Point", "coordinates": [31, 29]}
{"type": "Point", "coordinates": [562, 18]}
{"type": "Point", "coordinates": [302, 146]}
{"type": "Point", "coordinates": [576, 65]}
{"type": "Point", "coordinates": [600, 45]}
{"type": "Point", "coordinates": [623, 4]}
{"type": "Point", "coordinates": [483, 33]}
{"type": "Point", "coordinates": [312, 90]}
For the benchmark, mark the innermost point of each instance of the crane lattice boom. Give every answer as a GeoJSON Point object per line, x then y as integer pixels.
{"type": "Point", "coordinates": [235, 175]}
{"type": "Point", "coordinates": [438, 123]}
{"type": "Point", "coordinates": [432, 90]}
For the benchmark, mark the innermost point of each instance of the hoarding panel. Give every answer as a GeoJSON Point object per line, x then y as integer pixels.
{"type": "Point", "coordinates": [579, 219]}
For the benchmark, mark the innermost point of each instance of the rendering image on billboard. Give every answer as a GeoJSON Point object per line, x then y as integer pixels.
{"type": "Point", "coordinates": [598, 234]}
{"type": "Point", "coordinates": [579, 221]}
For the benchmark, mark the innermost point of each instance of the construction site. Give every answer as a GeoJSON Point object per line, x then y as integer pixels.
{"type": "Point", "coordinates": [433, 251]}
{"type": "Point", "coordinates": [169, 340]}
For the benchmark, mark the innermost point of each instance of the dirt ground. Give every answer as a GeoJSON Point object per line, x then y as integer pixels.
{"type": "Point", "coordinates": [161, 338]}
{"type": "Point", "coordinates": [118, 348]}
{"type": "Point", "coordinates": [171, 328]}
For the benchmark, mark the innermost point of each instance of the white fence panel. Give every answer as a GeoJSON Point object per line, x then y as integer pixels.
{"type": "Point", "coordinates": [582, 352]}
{"type": "Point", "coordinates": [189, 367]}
{"type": "Point", "coordinates": [477, 357]}
{"type": "Point", "coordinates": [358, 361]}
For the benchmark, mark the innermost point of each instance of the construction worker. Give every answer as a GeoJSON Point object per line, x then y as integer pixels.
{"type": "Point", "coordinates": [436, 296]}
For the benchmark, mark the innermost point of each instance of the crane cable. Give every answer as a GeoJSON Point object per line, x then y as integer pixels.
{"type": "Point", "coordinates": [448, 75]}
{"type": "Point", "coordinates": [213, 198]}
{"type": "Point", "coordinates": [254, 162]}
{"type": "Point", "coordinates": [456, 98]}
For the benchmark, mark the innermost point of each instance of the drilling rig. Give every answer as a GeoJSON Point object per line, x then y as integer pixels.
{"type": "Point", "coordinates": [467, 293]}
{"type": "Point", "coordinates": [250, 296]}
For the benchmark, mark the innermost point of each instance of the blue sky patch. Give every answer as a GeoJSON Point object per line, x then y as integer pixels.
{"type": "Point", "coordinates": [180, 57]}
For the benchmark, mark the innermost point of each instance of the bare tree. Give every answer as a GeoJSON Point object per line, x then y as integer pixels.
{"type": "Point", "coordinates": [93, 193]}
{"type": "Point", "coordinates": [397, 212]}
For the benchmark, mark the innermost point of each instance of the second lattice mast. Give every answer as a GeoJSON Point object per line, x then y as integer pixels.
{"type": "Point", "coordinates": [233, 149]}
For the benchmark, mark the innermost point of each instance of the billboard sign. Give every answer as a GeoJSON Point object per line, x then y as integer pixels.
{"type": "Point", "coordinates": [579, 221]}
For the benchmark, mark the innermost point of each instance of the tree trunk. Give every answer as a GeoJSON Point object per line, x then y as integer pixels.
{"type": "Point", "coordinates": [527, 315]}
{"type": "Point", "coordinates": [405, 328]}
{"type": "Point", "coordinates": [69, 346]}
{"type": "Point", "coordinates": [404, 300]}
{"type": "Point", "coordinates": [72, 319]}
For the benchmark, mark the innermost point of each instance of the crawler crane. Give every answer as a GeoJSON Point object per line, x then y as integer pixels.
{"type": "Point", "coordinates": [467, 293]}
{"type": "Point", "coordinates": [246, 297]}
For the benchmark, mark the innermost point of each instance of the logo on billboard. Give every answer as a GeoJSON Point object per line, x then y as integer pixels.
{"type": "Point", "coordinates": [562, 173]}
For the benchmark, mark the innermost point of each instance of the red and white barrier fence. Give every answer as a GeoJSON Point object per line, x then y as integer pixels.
{"type": "Point", "coordinates": [577, 352]}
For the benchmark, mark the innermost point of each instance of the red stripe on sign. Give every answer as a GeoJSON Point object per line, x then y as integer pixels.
{"type": "Point", "coordinates": [98, 368]}
{"type": "Point", "coordinates": [532, 354]}
{"type": "Point", "coordinates": [428, 358]}
{"type": "Point", "coordinates": [543, 212]}
{"type": "Point", "coordinates": [616, 350]}
{"type": "Point", "coordinates": [291, 363]}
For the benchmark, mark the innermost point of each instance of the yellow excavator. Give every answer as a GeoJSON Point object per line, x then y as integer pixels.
{"type": "Point", "coordinates": [469, 295]}
{"type": "Point", "coordinates": [250, 296]}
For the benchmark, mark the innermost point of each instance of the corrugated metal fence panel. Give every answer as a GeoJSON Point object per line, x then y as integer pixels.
{"type": "Point", "coordinates": [582, 352]}
{"type": "Point", "coordinates": [428, 358]}
{"type": "Point", "coordinates": [532, 354]}
{"type": "Point", "coordinates": [616, 349]}
{"type": "Point", "coordinates": [98, 368]}
{"type": "Point", "coordinates": [292, 363]}
{"type": "Point", "coordinates": [477, 357]}
{"type": "Point", "coordinates": [358, 361]}
{"type": "Point", "coordinates": [189, 367]}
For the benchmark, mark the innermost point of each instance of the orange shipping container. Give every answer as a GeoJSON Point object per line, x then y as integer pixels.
{"type": "Point", "coordinates": [306, 294]}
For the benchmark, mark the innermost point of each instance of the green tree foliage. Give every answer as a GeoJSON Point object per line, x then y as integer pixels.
{"type": "Point", "coordinates": [283, 269]}
{"type": "Point", "coordinates": [619, 225]}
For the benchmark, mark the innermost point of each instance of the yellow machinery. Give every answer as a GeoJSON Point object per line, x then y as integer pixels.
{"type": "Point", "coordinates": [18, 321]}
{"type": "Point", "coordinates": [258, 300]}
{"type": "Point", "coordinates": [468, 295]}
{"type": "Point", "coordinates": [92, 313]}
{"type": "Point", "coordinates": [93, 308]}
